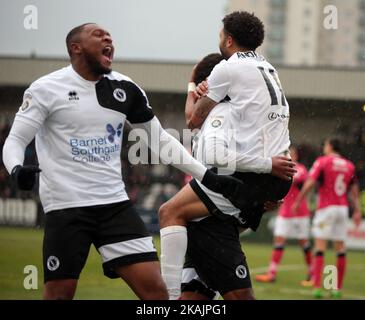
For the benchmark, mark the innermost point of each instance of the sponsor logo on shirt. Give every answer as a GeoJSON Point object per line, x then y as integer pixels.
{"type": "Point", "coordinates": [273, 116]}
{"type": "Point", "coordinates": [72, 95]}
{"type": "Point", "coordinates": [97, 149]}
{"type": "Point", "coordinates": [113, 132]}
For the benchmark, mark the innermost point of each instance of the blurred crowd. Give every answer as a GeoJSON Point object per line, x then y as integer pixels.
{"type": "Point", "coordinates": [148, 186]}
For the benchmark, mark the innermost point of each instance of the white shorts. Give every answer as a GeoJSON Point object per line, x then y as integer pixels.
{"type": "Point", "coordinates": [330, 223]}
{"type": "Point", "coordinates": [292, 228]}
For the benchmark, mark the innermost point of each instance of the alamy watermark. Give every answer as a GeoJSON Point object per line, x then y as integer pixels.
{"type": "Point", "coordinates": [30, 21]}
{"type": "Point", "coordinates": [30, 281]}
{"type": "Point", "coordinates": [217, 148]}
{"type": "Point", "coordinates": [330, 280]}
{"type": "Point", "coordinates": [330, 21]}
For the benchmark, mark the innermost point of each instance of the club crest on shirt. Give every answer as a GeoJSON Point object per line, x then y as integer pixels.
{"type": "Point", "coordinates": [26, 102]}
{"type": "Point", "coordinates": [241, 272]}
{"type": "Point", "coordinates": [53, 263]}
{"type": "Point", "coordinates": [120, 95]}
{"type": "Point", "coordinates": [216, 122]}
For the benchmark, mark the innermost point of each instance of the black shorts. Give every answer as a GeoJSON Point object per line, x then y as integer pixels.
{"type": "Point", "coordinates": [214, 250]}
{"type": "Point", "coordinates": [258, 188]}
{"type": "Point", "coordinates": [116, 230]}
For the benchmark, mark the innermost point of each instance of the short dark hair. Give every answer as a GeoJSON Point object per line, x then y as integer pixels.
{"type": "Point", "coordinates": [73, 34]}
{"type": "Point", "coordinates": [335, 144]}
{"type": "Point", "coordinates": [205, 66]}
{"type": "Point", "coordinates": [245, 28]}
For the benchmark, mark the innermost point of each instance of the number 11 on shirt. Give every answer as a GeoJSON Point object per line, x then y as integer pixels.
{"type": "Point", "coordinates": [266, 75]}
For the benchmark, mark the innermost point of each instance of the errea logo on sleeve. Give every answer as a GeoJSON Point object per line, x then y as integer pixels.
{"type": "Point", "coordinates": [72, 95]}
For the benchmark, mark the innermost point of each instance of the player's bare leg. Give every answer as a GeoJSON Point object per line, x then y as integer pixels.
{"type": "Point", "coordinates": [340, 249]}
{"type": "Point", "coordinates": [63, 289]}
{"type": "Point", "coordinates": [276, 256]}
{"type": "Point", "coordinates": [181, 208]}
{"type": "Point", "coordinates": [240, 294]}
{"type": "Point", "coordinates": [145, 280]}
{"type": "Point", "coordinates": [321, 246]}
{"type": "Point", "coordinates": [174, 215]}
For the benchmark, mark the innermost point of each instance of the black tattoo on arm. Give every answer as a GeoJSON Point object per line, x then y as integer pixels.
{"type": "Point", "coordinates": [201, 110]}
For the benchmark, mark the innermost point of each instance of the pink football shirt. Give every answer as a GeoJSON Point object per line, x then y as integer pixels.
{"type": "Point", "coordinates": [298, 180]}
{"type": "Point", "coordinates": [335, 174]}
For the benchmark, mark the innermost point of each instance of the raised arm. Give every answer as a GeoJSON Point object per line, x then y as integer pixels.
{"type": "Point", "coordinates": [200, 111]}
{"type": "Point", "coordinates": [191, 97]}
{"type": "Point", "coordinates": [219, 85]}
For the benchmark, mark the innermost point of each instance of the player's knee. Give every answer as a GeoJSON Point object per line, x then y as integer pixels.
{"type": "Point", "coordinates": [240, 294]}
{"type": "Point", "coordinates": [155, 290]}
{"type": "Point", "coordinates": [55, 290]}
{"type": "Point", "coordinates": [163, 213]}
{"type": "Point", "coordinates": [249, 295]}
{"type": "Point", "coordinates": [168, 214]}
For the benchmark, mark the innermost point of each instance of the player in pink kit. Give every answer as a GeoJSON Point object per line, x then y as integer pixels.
{"type": "Point", "coordinates": [336, 177]}
{"type": "Point", "coordinates": [290, 225]}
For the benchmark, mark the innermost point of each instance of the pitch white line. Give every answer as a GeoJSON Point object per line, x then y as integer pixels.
{"type": "Point", "coordinates": [288, 267]}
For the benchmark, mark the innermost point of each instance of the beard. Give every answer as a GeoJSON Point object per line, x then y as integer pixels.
{"type": "Point", "coordinates": [95, 66]}
{"type": "Point", "coordinates": [224, 52]}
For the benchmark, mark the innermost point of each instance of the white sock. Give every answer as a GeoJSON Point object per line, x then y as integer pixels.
{"type": "Point", "coordinates": [174, 241]}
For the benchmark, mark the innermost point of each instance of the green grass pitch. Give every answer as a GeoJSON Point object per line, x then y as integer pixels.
{"type": "Point", "coordinates": [22, 247]}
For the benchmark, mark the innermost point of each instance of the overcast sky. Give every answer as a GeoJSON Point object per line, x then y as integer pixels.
{"type": "Point", "coordinates": [164, 30]}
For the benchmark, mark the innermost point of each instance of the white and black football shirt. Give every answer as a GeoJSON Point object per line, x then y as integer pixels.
{"type": "Point", "coordinates": [79, 135]}
{"type": "Point", "coordinates": [260, 111]}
